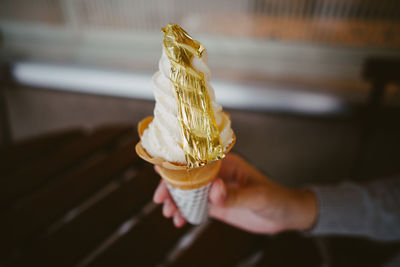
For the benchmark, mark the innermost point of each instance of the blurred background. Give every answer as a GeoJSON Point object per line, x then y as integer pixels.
{"type": "Point", "coordinates": [312, 87]}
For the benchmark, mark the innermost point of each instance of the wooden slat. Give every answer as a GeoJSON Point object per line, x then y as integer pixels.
{"type": "Point", "coordinates": [55, 199]}
{"type": "Point", "coordinates": [21, 153]}
{"type": "Point", "coordinates": [219, 245]}
{"type": "Point", "coordinates": [32, 176]}
{"type": "Point", "coordinates": [95, 224]}
{"type": "Point", "coordinates": [144, 245]}
{"type": "Point", "coordinates": [290, 249]}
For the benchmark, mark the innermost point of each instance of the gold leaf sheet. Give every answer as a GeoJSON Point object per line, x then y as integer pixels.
{"type": "Point", "coordinates": [200, 135]}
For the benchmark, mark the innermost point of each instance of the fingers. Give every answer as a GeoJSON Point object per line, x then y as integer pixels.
{"type": "Point", "coordinates": [228, 168]}
{"type": "Point", "coordinates": [253, 198]}
{"type": "Point", "coordinates": [238, 206]}
{"type": "Point", "coordinates": [157, 169]}
{"type": "Point", "coordinates": [222, 194]}
{"type": "Point", "coordinates": [218, 192]}
{"type": "Point", "coordinates": [178, 220]}
{"type": "Point", "coordinates": [225, 195]}
{"type": "Point", "coordinates": [169, 208]}
{"type": "Point", "coordinates": [234, 170]}
{"type": "Point", "coordinates": [161, 195]}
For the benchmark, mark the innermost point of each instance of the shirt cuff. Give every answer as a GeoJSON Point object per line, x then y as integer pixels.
{"type": "Point", "coordinates": [341, 210]}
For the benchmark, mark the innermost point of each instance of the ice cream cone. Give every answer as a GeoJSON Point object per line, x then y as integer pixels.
{"type": "Point", "coordinates": [193, 204]}
{"type": "Point", "coordinates": [188, 187]}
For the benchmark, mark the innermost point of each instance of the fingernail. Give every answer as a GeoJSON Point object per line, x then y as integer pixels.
{"type": "Point", "coordinates": [218, 192]}
{"type": "Point", "coordinates": [166, 205]}
{"type": "Point", "coordinates": [166, 208]}
{"type": "Point", "coordinates": [155, 196]}
{"type": "Point", "coordinates": [176, 219]}
{"type": "Point", "coordinates": [224, 193]}
{"type": "Point", "coordinates": [157, 169]}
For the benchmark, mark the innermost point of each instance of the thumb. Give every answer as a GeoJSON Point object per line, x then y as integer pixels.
{"type": "Point", "coordinates": [251, 197]}
{"type": "Point", "coordinates": [222, 194]}
{"type": "Point", "coordinates": [218, 192]}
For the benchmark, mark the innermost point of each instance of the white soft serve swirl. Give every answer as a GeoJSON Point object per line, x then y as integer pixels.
{"type": "Point", "coordinates": [163, 138]}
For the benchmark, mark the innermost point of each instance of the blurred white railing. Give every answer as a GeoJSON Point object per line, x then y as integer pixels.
{"type": "Point", "coordinates": [136, 85]}
{"type": "Point", "coordinates": [295, 41]}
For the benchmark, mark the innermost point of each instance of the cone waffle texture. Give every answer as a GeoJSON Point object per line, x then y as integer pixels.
{"type": "Point", "coordinates": [188, 187]}
{"type": "Point", "coordinates": [193, 204]}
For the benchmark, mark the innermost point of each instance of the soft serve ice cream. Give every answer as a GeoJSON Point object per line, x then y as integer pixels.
{"type": "Point", "coordinates": [189, 132]}
{"type": "Point", "coordinates": [165, 136]}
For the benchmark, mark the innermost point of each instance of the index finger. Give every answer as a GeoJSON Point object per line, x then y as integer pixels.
{"type": "Point", "coordinates": [161, 194]}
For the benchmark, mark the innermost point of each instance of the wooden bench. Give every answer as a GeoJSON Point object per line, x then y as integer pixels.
{"type": "Point", "coordinates": [79, 198]}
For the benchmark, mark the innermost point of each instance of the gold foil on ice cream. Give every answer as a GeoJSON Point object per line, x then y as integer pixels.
{"type": "Point", "coordinates": [200, 135]}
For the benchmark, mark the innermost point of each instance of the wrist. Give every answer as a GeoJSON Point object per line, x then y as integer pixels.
{"type": "Point", "coordinates": [303, 210]}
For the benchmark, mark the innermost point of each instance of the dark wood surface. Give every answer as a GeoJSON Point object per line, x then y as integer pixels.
{"type": "Point", "coordinates": [76, 198]}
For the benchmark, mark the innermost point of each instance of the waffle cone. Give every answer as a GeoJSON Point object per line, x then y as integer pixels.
{"type": "Point", "coordinates": [176, 174]}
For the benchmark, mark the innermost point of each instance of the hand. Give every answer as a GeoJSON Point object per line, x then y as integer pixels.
{"type": "Point", "coordinates": [161, 195]}
{"type": "Point", "coordinates": [245, 198]}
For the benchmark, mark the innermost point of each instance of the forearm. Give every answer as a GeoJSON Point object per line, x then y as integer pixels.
{"type": "Point", "coordinates": [371, 210]}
